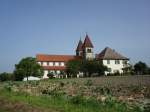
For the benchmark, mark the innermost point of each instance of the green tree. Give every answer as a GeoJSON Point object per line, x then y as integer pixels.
{"type": "Point", "coordinates": [148, 70]}
{"type": "Point", "coordinates": [140, 68]}
{"type": "Point", "coordinates": [128, 70]}
{"type": "Point", "coordinates": [73, 67]}
{"type": "Point", "coordinates": [27, 67]}
{"type": "Point", "coordinates": [87, 67]}
{"type": "Point", "coordinates": [93, 66]}
{"type": "Point", "coordinates": [6, 76]}
{"type": "Point", "coordinates": [101, 68]}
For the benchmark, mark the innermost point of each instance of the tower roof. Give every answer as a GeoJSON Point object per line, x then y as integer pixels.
{"type": "Point", "coordinates": [79, 47]}
{"type": "Point", "coordinates": [109, 53]}
{"type": "Point", "coordinates": [87, 42]}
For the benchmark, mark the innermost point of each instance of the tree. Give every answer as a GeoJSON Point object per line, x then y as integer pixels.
{"type": "Point", "coordinates": [93, 66]}
{"type": "Point", "coordinates": [148, 70]}
{"type": "Point", "coordinates": [27, 67]}
{"type": "Point", "coordinates": [128, 70]}
{"type": "Point", "coordinates": [6, 76]}
{"type": "Point", "coordinates": [73, 67]}
{"type": "Point", "coordinates": [140, 68]}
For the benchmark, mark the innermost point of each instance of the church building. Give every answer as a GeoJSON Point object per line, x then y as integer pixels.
{"type": "Point", "coordinates": [57, 63]}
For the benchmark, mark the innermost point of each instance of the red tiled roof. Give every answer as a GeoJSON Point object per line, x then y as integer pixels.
{"type": "Point", "coordinates": [54, 67]}
{"type": "Point", "coordinates": [79, 47]}
{"type": "Point", "coordinates": [87, 42]}
{"type": "Point", "coordinates": [63, 58]}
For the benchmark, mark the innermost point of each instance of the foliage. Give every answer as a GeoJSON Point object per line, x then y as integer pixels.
{"type": "Point", "coordinates": [62, 73]}
{"type": "Point", "coordinates": [68, 104]}
{"type": "Point", "coordinates": [95, 97]}
{"type": "Point", "coordinates": [27, 67]}
{"type": "Point", "coordinates": [128, 70]}
{"type": "Point", "coordinates": [93, 66]}
{"type": "Point", "coordinates": [102, 90]}
{"type": "Point", "coordinates": [149, 70]}
{"type": "Point", "coordinates": [73, 67]}
{"type": "Point", "coordinates": [50, 75]}
{"type": "Point", "coordinates": [89, 83]}
{"type": "Point", "coordinates": [61, 84]}
{"type": "Point", "coordinates": [85, 66]}
{"type": "Point", "coordinates": [140, 68]}
{"type": "Point", "coordinates": [8, 86]}
{"type": "Point", "coordinates": [77, 100]}
{"type": "Point", "coordinates": [6, 76]}
{"type": "Point", "coordinates": [147, 108]}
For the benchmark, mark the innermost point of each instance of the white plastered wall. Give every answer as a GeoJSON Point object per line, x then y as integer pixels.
{"type": "Point", "coordinates": [114, 67]}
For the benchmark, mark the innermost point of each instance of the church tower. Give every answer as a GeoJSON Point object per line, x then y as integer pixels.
{"type": "Point", "coordinates": [88, 49]}
{"type": "Point", "coordinates": [79, 50]}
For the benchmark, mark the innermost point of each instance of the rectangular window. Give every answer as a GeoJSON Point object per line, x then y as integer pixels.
{"type": "Point", "coordinates": [56, 63]}
{"type": "Point", "coordinates": [108, 61]}
{"type": "Point", "coordinates": [50, 63]}
{"type": "Point", "coordinates": [62, 64]}
{"type": "Point", "coordinates": [44, 63]}
{"type": "Point", "coordinates": [124, 62]}
{"type": "Point", "coordinates": [117, 62]}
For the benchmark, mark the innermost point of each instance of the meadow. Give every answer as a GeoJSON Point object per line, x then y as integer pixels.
{"type": "Point", "coordinates": [98, 94]}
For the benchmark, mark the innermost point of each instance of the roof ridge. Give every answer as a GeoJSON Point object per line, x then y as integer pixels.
{"type": "Point", "coordinates": [109, 53]}
{"type": "Point", "coordinates": [56, 54]}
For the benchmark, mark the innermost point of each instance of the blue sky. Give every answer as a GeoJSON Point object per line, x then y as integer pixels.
{"type": "Point", "coordinates": [28, 27]}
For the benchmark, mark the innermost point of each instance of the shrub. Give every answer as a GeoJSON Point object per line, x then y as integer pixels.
{"type": "Point", "coordinates": [6, 76]}
{"type": "Point", "coordinates": [102, 90]}
{"type": "Point", "coordinates": [89, 82]}
{"type": "Point", "coordinates": [147, 107]}
{"type": "Point", "coordinates": [62, 84]}
{"type": "Point", "coordinates": [50, 75]}
{"type": "Point", "coordinates": [8, 86]}
{"type": "Point", "coordinates": [77, 100]}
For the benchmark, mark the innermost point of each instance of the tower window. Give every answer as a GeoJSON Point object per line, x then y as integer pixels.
{"type": "Point", "coordinates": [89, 50]}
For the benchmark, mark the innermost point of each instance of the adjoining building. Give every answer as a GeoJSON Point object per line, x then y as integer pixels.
{"type": "Point", "coordinates": [114, 61]}
{"type": "Point", "coordinates": [54, 63]}
{"type": "Point", "coordinates": [57, 63]}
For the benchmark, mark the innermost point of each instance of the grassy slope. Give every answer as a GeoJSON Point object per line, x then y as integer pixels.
{"type": "Point", "coordinates": [44, 103]}
{"type": "Point", "coordinates": [56, 104]}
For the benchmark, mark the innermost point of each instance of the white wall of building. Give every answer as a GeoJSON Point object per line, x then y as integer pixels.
{"type": "Point", "coordinates": [56, 72]}
{"type": "Point", "coordinates": [45, 74]}
{"type": "Point", "coordinates": [114, 67]}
